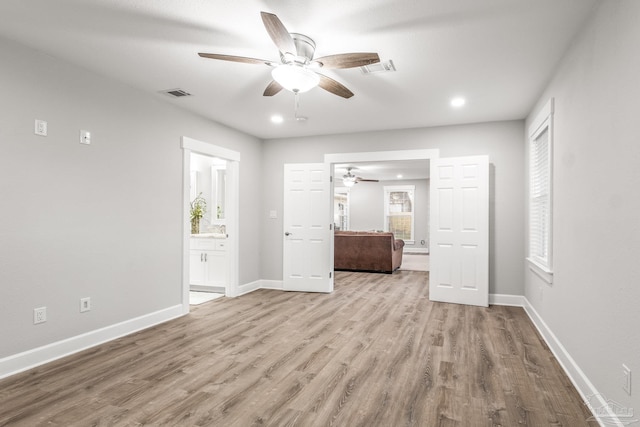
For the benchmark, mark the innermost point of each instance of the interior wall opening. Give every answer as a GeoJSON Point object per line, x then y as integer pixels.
{"type": "Point", "coordinates": [210, 219]}
{"type": "Point", "coordinates": [398, 162]}
{"type": "Point", "coordinates": [208, 278]}
{"type": "Point", "coordinates": [384, 196]}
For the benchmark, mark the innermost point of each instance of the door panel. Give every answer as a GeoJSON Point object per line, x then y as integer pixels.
{"type": "Point", "coordinates": [460, 230]}
{"type": "Point", "coordinates": [307, 265]}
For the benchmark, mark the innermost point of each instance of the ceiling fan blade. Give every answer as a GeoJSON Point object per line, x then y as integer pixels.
{"type": "Point", "coordinates": [278, 33]}
{"type": "Point", "coordinates": [273, 88]}
{"type": "Point", "coordinates": [347, 60]}
{"type": "Point", "coordinates": [367, 180]}
{"type": "Point", "coordinates": [330, 85]}
{"type": "Point", "coordinates": [236, 58]}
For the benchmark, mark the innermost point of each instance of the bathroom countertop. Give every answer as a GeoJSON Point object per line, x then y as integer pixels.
{"type": "Point", "coordinates": [209, 236]}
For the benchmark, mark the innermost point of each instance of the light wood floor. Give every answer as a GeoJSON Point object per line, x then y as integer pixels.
{"type": "Point", "coordinates": [376, 352]}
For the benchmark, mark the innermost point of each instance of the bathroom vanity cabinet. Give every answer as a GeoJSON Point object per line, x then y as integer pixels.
{"type": "Point", "coordinates": [208, 262]}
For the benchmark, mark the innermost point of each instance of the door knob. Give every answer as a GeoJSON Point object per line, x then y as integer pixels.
{"type": "Point", "coordinates": [287, 233]}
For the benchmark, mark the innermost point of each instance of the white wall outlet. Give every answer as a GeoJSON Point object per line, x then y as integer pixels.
{"type": "Point", "coordinates": [85, 304]}
{"type": "Point", "coordinates": [39, 315]}
{"type": "Point", "coordinates": [85, 137]}
{"type": "Point", "coordinates": [40, 128]}
{"type": "Point", "coordinates": [626, 379]}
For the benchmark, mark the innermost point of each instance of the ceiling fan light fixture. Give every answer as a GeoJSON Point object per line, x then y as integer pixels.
{"type": "Point", "coordinates": [295, 78]}
{"type": "Point", "coordinates": [349, 181]}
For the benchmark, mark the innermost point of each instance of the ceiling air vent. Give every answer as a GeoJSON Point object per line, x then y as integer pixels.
{"type": "Point", "coordinates": [178, 93]}
{"type": "Point", "coordinates": [378, 67]}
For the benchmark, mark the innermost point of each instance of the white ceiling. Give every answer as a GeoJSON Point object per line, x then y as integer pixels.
{"type": "Point", "coordinates": [499, 54]}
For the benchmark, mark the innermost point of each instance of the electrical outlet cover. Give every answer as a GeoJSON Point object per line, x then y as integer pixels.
{"type": "Point", "coordinates": [40, 127]}
{"type": "Point", "coordinates": [85, 304]}
{"type": "Point", "coordinates": [39, 315]}
{"type": "Point", "coordinates": [85, 137]}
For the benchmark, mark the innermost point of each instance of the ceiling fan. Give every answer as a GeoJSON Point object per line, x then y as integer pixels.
{"type": "Point", "coordinates": [349, 180]}
{"type": "Point", "coordinates": [297, 69]}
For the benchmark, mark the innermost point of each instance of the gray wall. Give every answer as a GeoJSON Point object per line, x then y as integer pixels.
{"type": "Point", "coordinates": [366, 206]}
{"type": "Point", "coordinates": [104, 220]}
{"type": "Point", "coordinates": [502, 141]}
{"type": "Point", "coordinates": [593, 306]}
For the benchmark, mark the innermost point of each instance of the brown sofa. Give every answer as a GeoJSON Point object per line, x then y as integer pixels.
{"type": "Point", "coordinates": [367, 251]}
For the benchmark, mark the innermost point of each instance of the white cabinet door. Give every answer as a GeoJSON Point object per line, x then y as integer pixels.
{"type": "Point", "coordinates": [460, 230]}
{"type": "Point", "coordinates": [196, 268]}
{"type": "Point", "coordinates": [307, 263]}
{"type": "Point", "coordinates": [216, 268]}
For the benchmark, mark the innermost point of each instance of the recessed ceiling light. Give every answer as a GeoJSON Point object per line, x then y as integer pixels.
{"type": "Point", "coordinates": [277, 118]}
{"type": "Point", "coordinates": [458, 102]}
{"type": "Point", "coordinates": [399, 176]}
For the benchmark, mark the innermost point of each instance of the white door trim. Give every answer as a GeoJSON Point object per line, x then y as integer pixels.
{"type": "Point", "coordinates": [190, 145]}
{"type": "Point", "coordinates": [379, 156]}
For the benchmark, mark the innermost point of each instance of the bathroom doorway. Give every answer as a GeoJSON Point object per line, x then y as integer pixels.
{"type": "Point", "coordinates": [210, 200]}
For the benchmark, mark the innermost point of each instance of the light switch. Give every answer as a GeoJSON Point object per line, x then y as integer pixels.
{"type": "Point", "coordinates": [273, 214]}
{"type": "Point", "coordinates": [85, 137]}
{"type": "Point", "coordinates": [41, 128]}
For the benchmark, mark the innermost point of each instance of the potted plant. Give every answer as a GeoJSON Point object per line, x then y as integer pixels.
{"type": "Point", "coordinates": [198, 209]}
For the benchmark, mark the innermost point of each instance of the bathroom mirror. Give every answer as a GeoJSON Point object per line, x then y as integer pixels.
{"type": "Point", "coordinates": [208, 180]}
{"type": "Point", "coordinates": [219, 187]}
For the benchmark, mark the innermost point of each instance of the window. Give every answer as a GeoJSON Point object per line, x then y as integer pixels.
{"type": "Point", "coordinates": [398, 211]}
{"type": "Point", "coordinates": [540, 193]}
{"type": "Point", "coordinates": [341, 208]}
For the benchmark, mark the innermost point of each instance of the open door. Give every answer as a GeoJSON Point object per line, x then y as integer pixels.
{"type": "Point", "coordinates": [307, 262]}
{"type": "Point", "coordinates": [460, 230]}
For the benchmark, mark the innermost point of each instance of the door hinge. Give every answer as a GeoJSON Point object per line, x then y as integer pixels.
{"type": "Point", "coordinates": [330, 227]}
{"type": "Point", "coordinates": [330, 178]}
{"type": "Point", "coordinates": [330, 273]}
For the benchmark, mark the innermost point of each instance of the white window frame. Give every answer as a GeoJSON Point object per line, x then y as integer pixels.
{"type": "Point", "coordinates": [346, 191]}
{"type": "Point", "coordinates": [388, 189]}
{"type": "Point", "coordinates": [540, 160]}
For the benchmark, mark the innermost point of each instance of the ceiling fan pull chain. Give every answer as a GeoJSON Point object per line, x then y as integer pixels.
{"type": "Point", "coordinates": [296, 100]}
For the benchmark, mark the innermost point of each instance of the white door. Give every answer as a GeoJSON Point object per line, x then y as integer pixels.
{"type": "Point", "coordinates": [307, 263]}
{"type": "Point", "coordinates": [460, 230]}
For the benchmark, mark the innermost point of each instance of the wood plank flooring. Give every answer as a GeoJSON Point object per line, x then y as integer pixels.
{"type": "Point", "coordinates": [376, 352]}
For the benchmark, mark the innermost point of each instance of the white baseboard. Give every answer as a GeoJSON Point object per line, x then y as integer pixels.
{"type": "Point", "coordinates": [260, 284]}
{"type": "Point", "coordinates": [506, 299]}
{"type": "Point", "coordinates": [415, 250]}
{"type": "Point", "coordinates": [249, 287]}
{"type": "Point", "coordinates": [272, 284]}
{"type": "Point", "coordinates": [30, 359]}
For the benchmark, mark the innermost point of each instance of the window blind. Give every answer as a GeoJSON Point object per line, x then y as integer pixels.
{"type": "Point", "coordinates": [540, 199]}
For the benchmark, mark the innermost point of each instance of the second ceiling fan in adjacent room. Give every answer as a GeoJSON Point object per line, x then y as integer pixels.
{"type": "Point", "coordinates": [349, 179]}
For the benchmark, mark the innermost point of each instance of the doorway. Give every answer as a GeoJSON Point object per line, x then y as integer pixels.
{"type": "Point", "coordinates": [223, 216]}
{"type": "Point", "coordinates": [390, 196]}
{"type": "Point", "coordinates": [459, 221]}
{"type": "Point", "coordinates": [386, 162]}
